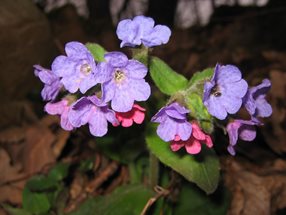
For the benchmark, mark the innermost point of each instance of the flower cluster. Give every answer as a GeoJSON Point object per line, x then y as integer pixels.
{"type": "Point", "coordinates": [122, 81]}
{"type": "Point", "coordinates": [219, 95]}
{"type": "Point", "coordinates": [224, 94]}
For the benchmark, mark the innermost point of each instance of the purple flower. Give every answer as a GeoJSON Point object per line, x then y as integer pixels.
{"type": "Point", "coordinates": [77, 69]}
{"type": "Point", "coordinates": [244, 129]}
{"type": "Point", "coordinates": [123, 81]}
{"type": "Point", "coordinates": [61, 108]}
{"type": "Point", "coordinates": [90, 110]}
{"type": "Point", "coordinates": [173, 123]}
{"type": "Point", "coordinates": [141, 30]}
{"type": "Point", "coordinates": [224, 92]}
{"type": "Point", "coordinates": [255, 102]}
{"type": "Point", "coordinates": [52, 83]}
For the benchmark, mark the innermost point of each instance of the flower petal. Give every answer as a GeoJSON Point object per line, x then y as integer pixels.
{"type": "Point", "coordinates": [215, 108]}
{"type": "Point", "coordinates": [122, 100]}
{"type": "Point", "coordinates": [247, 132]}
{"type": "Point", "coordinates": [108, 91]}
{"type": "Point", "coordinates": [116, 59]}
{"type": "Point", "coordinates": [160, 34]}
{"type": "Point", "coordinates": [176, 145]}
{"type": "Point", "coordinates": [184, 130]}
{"type": "Point", "coordinates": [63, 66]}
{"type": "Point", "coordinates": [135, 70]}
{"type": "Point", "coordinates": [76, 50]}
{"type": "Point", "coordinates": [167, 130]}
{"type": "Point", "coordinates": [98, 124]}
{"type": "Point", "coordinates": [65, 123]}
{"type": "Point", "coordinates": [228, 74]}
{"type": "Point", "coordinates": [140, 90]}
{"type": "Point", "coordinates": [193, 146]}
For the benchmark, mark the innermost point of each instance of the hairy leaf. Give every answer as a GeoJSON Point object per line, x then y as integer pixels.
{"type": "Point", "coordinates": [166, 79]}
{"type": "Point", "coordinates": [202, 169]}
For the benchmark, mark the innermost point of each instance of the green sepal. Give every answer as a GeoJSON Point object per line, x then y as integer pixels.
{"type": "Point", "coordinates": [204, 75]}
{"type": "Point", "coordinates": [141, 54]}
{"type": "Point", "coordinates": [199, 112]}
{"type": "Point", "coordinates": [166, 79]}
{"type": "Point", "coordinates": [97, 51]}
{"type": "Point", "coordinates": [202, 169]}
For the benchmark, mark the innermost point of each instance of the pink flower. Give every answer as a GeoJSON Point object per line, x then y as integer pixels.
{"type": "Point", "coordinates": [136, 114]}
{"type": "Point", "coordinates": [193, 144]}
{"type": "Point", "coordinates": [61, 108]}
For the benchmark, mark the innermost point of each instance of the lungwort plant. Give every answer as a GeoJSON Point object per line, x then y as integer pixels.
{"type": "Point", "coordinates": [108, 90]}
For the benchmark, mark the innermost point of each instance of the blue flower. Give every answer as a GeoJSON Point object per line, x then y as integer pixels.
{"type": "Point", "coordinates": [52, 83]}
{"type": "Point", "coordinates": [255, 102]}
{"type": "Point", "coordinates": [173, 123]}
{"type": "Point", "coordinates": [224, 92]}
{"type": "Point", "coordinates": [141, 30]}
{"type": "Point", "coordinates": [123, 81]}
{"type": "Point", "coordinates": [77, 69]}
{"type": "Point", "coordinates": [244, 129]}
{"type": "Point", "coordinates": [91, 110]}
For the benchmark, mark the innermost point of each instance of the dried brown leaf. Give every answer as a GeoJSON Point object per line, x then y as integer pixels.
{"type": "Point", "coordinates": [255, 189]}
{"type": "Point", "coordinates": [38, 148]}
{"type": "Point", "coordinates": [275, 129]}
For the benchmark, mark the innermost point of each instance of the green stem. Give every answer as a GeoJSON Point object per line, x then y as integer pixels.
{"type": "Point", "coordinates": [154, 170]}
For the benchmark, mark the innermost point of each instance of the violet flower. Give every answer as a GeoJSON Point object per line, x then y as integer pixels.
{"type": "Point", "coordinates": [173, 123]}
{"type": "Point", "coordinates": [77, 69]}
{"type": "Point", "coordinates": [244, 129]}
{"type": "Point", "coordinates": [52, 83]}
{"type": "Point", "coordinates": [90, 110]}
{"type": "Point", "coordinates": [142, 30]}
{"type": "Point", "coordinates": [255, 102]}
{"type": "Point", "coordinates": [224, 92]}
{"type": "Point", "coordinates": [61, 108]}
{"type": "Point", "coordinates": [123, 81]}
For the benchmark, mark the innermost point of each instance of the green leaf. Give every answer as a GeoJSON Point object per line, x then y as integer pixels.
{"type": "Point", "coordinates": [36, 203]}
{"type": "Point", "coordinates": [41, 183]}
{"type": "Point", "coordinates": [59, 171]}
{"type": "Point", "coordinates": [198, 111]}
{"type": "Point", "coordinates": [202, 169]}
{"type": "Point", "coordinates": [165, 78]}
{"type": "Point", "coordinates": [128, 199]}
{"type": "Point", "coordinates": [15, 211]}
{"type": "Point", "coordinates": [97, 51]}
{"type": "Point", "coordinates": [201, 204]}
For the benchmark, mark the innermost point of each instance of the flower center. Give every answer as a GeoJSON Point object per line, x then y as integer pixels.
{"type": "Point", "coordinates": [85, 69]}
{"type": "Point", "coordinates": [119, 76]}
{"type": "Point", "coordinates": [215, 91]}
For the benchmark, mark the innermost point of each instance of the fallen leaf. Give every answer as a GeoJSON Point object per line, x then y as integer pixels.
{"type": "Point", "coordinates": [255, 189]}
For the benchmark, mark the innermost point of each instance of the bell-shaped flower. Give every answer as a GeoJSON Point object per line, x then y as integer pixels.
{"type": "Point", "coordinates": [52, 83]}
{"type": "Point", "coordinates": [77, 69]}
{"type": "Point", "coordinates": [123, 81]}
{"type": "Point", "coordinates": [243, 129]}
{"type": "Point", "coordinates": [61, 108]}
{"type": "Point", "coordinates": [193, 144]}
{"type": "Point", "coordinates": [92, 111]}
{"type": "Point", "coordinates": [136, 114]}
{"type": "Point", "coordinates": [224, 92]}
{"type": "Point", "coordinates": [173, 122]}
{"type": "Point", "coordinates": [255, 102]}
{"type": "Point", "coordinates": [141, 30]}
